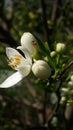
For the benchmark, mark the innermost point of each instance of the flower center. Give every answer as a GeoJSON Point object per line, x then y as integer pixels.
{"type": "Point", "coordinates": [14, 61]}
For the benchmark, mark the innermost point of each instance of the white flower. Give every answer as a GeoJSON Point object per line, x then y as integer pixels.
{"type": "Point", "coordinates": [41, 69]}
{"type": "Point", "coordinates": [60, 47]}
{"type": "Point", "coordinates": [18, 62]}
{"type": "Point", "coordinates": [29, 42]}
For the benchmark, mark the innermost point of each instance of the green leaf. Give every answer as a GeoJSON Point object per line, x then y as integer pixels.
{"type": "Point", "coordinates": [46, 49]}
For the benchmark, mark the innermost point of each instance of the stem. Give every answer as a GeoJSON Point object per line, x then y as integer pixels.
{"type": "Point", "coordinates": [45, 19]}
{"type": "Point", "coordinates": [54, 11]}
{"type": "Point", "coordinates": [66, 68]}
{"type": "Point", "coordinates": [59, 78]}
{"type": "Point", "coordinates": [48, 30]}
{"type": "Point", "coordinates": [44, 106]}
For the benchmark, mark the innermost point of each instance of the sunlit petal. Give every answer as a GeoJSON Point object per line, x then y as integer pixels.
{"type": "Point", "coordinates": [12, 80]}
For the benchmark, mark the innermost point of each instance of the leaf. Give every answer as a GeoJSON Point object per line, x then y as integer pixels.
{"type": "Point", "coordinates": [46, 49]}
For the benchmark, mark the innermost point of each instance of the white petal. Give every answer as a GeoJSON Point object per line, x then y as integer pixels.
{"type": "Point", "coordinates": [11, 51]}
{"type": "Point", "coordinates": [12, 80]}
{"type": "Point", "coordinates": [25, 70]}
{"type": "Point", "coordinates": [26, 41]}
{"type": "Point", "coordinates": [26, 53]}
{"type": "Point", "coordinates": [16, 77]}
{"type": "Point", "coordinates": [28, 57]}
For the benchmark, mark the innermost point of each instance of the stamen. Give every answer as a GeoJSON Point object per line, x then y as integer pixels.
{"type": "Point", "coordinates": [14, 61]}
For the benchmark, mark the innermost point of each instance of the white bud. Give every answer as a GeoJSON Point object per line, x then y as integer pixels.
{"type": "Point", "coordinates": [63, 100]}
{"type": "Point", "coordinates": [54, 98]}
{"type": "Point", "coordinates": [41, 69]}
{"type": "Point", "coordinates": [60, 47]}
{"type": "Point", "coordinates": [68, 111]}
{"type": "Point", "coordinates": [66, 90]}
{"type": "Point", "coordinates": [72, 78]}
{"type": "Point", "coordinates": [29, 42]}
{"type": "Point", "coordinates": [54, 121]}
{"type": "Point", "coordinates": [53, 53]}
{"type": "Point", "coordinates": [70, 83]}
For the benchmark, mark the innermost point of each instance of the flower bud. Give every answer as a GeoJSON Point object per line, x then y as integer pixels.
{"type": "Point", "coordinates": [72, 78]}
{"type": "Point", "coordinates": [53, 53]}
{"type": "Point", "coordinates": [68, 111]}
{"type": "Point", "coordinates": [60, 47]}
{"type": "Point", "coordinates": [54, 98]}
{"type": "Point", "coordinates": [63, 100]}
{"type": "Point", "coordinates": [41, 69]}
{"type": "Point", "coordinates": [70, 83]}
{"type": "Point", "coordinates": [29, 42]}
{"type": "Point", "coordinates": [54, 121]}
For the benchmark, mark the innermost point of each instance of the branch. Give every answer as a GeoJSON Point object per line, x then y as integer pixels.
{"type": "Point", "coordinates": [54, 11]}
{"type": "Point", "coordinates": [45, 19]}
{"type": "Point", "coordinates": [59, 78]}
{"type": "Point", "coordinates": [64, 71]}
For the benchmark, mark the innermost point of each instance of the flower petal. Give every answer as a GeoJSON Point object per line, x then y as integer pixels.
{"type": "Point", "coordinates": [29, 42]}
{"type": "Point", "coordinates": [25, 70]}
{"type": "Point", "coordinates": [26, 53]}
{"type": "Point", "coordinates": [12, 80]}
{"type": "Point", "coordinates": [11, 51]}
{"type": "Point", "coordinates": [16, 77]}
{"type": "Point", "coordinates": [16, 59]}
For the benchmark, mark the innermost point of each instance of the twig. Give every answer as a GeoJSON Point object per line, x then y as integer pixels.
{"type": "Point", "coordinates": [59, 78]}
{"type": "Point", "coordinates": [66, 68]}
{"type": "Point", "coordinates": [45, 19]}
{"type": "Point", "coordinates": [44, 105]}
{"type": "Point", "coordinates": [54, 11]}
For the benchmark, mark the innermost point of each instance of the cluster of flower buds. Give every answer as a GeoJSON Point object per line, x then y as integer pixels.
{"type": "Point", "coordinates": [67, 92]}
{"type": "Point", "coordinates": [60, 48]}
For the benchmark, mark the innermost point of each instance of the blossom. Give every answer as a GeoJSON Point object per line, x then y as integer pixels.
{"type": "Point", "coordinates": [41, 69]}
{"type": "Point", "coordinates": [29, 42]}
{"type": "Point", "coordinates": [20, 59]}
{"type": "Point", "coordinates": [22, 64]}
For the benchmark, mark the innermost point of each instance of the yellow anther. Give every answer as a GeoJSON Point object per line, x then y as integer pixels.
{"type": "Point", "coordinates": [14, 61]}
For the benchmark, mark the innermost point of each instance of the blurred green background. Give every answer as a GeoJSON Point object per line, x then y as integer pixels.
{"type": "Point", "coordinates": [50, 20]}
